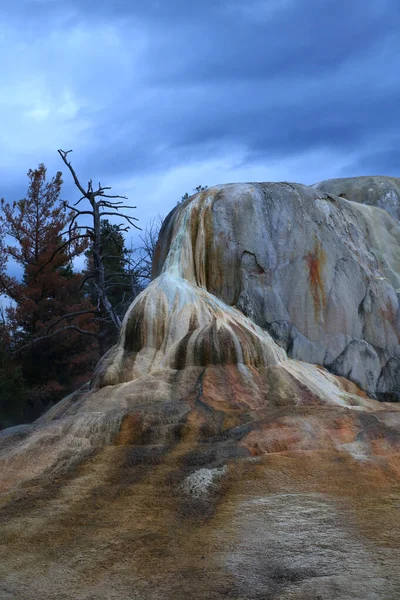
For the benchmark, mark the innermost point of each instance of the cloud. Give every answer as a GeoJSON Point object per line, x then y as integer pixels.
{"type": "Point", "coordinates": [378, 162]}
{"type": "Point", "coordinates": [160, 96]}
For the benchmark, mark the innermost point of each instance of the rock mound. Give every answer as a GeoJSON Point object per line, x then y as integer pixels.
{"type": "Point", "coordinates": [211, 457]}
{"type": "Point", "coordinates": [383, 192]}
{"type": "Point", "coordinates": [321, 274]}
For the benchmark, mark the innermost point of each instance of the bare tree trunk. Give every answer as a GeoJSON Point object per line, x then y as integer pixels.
{"type": "Point", "coordinates": [99, 277]}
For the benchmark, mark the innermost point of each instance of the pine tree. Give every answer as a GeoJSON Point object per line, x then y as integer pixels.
{"type": "Point", "coordinates": [50, 323]}
{"type": "Point", "coordinates": [12, 386]}
{"type": "Point", "coordinates": [120, 278]}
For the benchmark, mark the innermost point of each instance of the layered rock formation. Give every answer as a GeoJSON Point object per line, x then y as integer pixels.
{"type": "Point", "coordinates": [321, 274]}
{"type": "Point", "coordinates": [213, 455]}
{"type": "Point", "coordinates": [383, 192]}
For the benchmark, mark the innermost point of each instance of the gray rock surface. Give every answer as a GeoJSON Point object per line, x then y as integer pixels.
{"type": "Point", "coordinates": [383, 192]}
{"type": "Point", "coordinates": [320, 273]}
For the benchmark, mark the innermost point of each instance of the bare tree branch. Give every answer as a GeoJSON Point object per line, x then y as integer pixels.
{"type": "Point", "coordinates": [72, 314]}
{"type": "Point", "coordinates": [115, 205]}
{"type": "Point", "coordinates": [120, 258]}
{"type": "Point", "coordinates": [63, 155]}
{"type": "Point", "coordinates": [127, 217]}
{"type": "Point", "coordinates": [108, 196]}
{"type": "Point", "coordinates": [50, 335]}
{"type": "Point", "coordinates": [67, 243]}
{"type": "Point", "coordinates": [84, 280]}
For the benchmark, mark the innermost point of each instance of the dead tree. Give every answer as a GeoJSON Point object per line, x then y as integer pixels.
{"type": "Point", "coordinates": [101, 204]}
{"type": "Point", "coordinates": [149, 241]}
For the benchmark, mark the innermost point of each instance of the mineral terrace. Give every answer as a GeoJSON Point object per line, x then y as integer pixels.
{"type": "Point", "coordinates": [242, 439]}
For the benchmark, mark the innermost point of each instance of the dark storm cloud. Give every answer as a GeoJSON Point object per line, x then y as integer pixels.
{"type": "Point", "coordinates": [336, 118]}
{"type": "Point", "coordinates": [305, 38]}
{"type": "Point", "coordinates": [380, 162]}
{"type": "Point", "coordinates": [274, 78]}
{"type": "Point", "coordinates": [224, 39]}
{"type": "Point", "coordinates": [278, 78]}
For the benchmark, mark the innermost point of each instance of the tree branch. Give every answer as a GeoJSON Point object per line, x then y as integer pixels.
{"type": "Point", "coordinates": [126, 217]}
{"type": "Point", "coordinates": [125, 260]}
{"type": "Point", "coordinates": [72, 314]}
{"type": "Point", "coordinates": [83, 235]}
{"type": "Point", "coordinates": [109, 196]}
{"type": "Point", "coordinates": [115, 205]}
{"type": "Point", "coordinates": [63, 155]}
{"type": "Point", "coordinates": [46, 337]}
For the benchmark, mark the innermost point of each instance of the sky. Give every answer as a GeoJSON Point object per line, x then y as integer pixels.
{"type": "Point", "coordinates": [156, 97]}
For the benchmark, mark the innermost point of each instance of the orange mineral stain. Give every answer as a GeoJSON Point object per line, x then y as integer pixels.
{"type": "Point", "coordinates": [315, 261]}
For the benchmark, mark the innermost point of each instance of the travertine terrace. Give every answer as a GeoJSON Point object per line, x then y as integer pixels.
{"type": "Point", "coordinates": [239, 441]}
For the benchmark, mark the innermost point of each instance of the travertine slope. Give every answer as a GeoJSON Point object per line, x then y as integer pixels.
{"type": "Point", "coordinates": [321, 274]}
{"type": "Point", "coordinates": [383, 192]}
{"type": "Point", "coordinates": [203, 460]}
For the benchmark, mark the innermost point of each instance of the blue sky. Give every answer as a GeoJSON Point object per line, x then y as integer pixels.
{"type": "Point", "coordinates": [156, 97]}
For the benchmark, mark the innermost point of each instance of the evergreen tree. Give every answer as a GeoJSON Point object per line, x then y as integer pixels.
{"type": "Point", "coordinates": [50, 312]}
{"type": "Point", "coordinates": [121, 278]}
{"type": "Point", "coordinates": [12, 388]}
{"type": "Point", "coordinates": [197, 189]}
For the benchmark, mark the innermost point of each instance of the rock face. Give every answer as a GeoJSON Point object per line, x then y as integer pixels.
{"type": "Point", "coordinates": [383, 192]}
{"type": "Point", "coordinates": [212, 455]}
{"type": "Point", "coordinates": [321, 274]}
